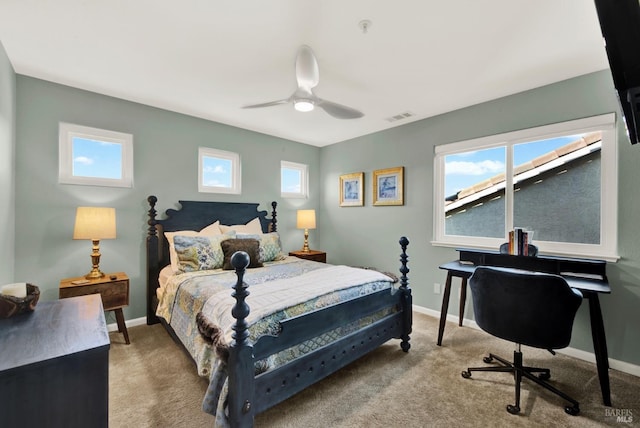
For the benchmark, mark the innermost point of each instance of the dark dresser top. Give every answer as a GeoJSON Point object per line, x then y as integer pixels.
{"type": "Point", "coordinates": [53, 329]}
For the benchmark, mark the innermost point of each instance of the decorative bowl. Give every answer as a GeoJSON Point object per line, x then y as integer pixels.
{"type": "Point", "coordinates": [10, 305]}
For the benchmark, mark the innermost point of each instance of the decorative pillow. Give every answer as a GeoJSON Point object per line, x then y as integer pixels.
{"type": "Point", "coordinates": [270, 247]}
{"type": "Point", "coordinates": [199, 252]}
{"type": "Point", "coordinates": [211, 230]}
{"type": "Point", "coordinates": [250, 246]}
{"type": "Point", "coordinates": [172, 248]}
{"type": "Point", "coordinates": [253, 226]}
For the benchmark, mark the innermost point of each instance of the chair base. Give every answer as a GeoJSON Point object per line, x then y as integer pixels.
{"type": "Point", "coordinates": [519, 371]}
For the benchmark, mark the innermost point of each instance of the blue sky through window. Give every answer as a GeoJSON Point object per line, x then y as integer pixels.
{"type": "Point", "coordinates": [216, 172]}
{"type": "Point", "coordinates": [98, 159]}
{"type": "Point", "coordinates": [291, 180]}
{"type": "Point", "coordinates": [466, 169]}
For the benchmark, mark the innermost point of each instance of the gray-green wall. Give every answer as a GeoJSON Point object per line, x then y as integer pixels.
{"type": "Point", "coordinates": [7, 167]}
{"type": "Point", "coordinates": [368, 235]}
{"type": "Point", "coordinates": [165, 164]}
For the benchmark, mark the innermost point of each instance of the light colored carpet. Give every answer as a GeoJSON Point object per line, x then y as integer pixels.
{"type": "Point", "coordinates": [153, 383]}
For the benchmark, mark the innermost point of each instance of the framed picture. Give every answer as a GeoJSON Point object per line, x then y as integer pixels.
{"type": "Point", "coordinates": [388, 186]}
{"type": "Point", "coordinates": [351, 190]}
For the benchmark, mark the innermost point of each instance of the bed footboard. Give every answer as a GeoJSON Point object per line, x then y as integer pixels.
{"type": "Point", "coordinates": [250, 394]}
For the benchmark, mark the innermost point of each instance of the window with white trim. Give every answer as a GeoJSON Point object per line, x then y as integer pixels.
{"type": "Point", "coordinates": [93, 156]}
{"type": "Point", "coordinates": [558, 181]}
{"type": "Point", "coordinates": [294, 180]}
{"type": "Point", "coordinates": [218, 171]}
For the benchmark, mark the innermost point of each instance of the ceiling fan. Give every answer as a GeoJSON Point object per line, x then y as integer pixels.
{"type": "Point", "coordinates": [303, 99]}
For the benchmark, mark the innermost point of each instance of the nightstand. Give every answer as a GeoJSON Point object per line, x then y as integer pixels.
{"type": "Point", "coordinates": [316, 256]}
{"type": "Point", "coordinates": [113, 288]}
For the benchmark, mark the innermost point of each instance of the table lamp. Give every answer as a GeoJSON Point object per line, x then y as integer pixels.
{"type": "Point", "coordinates": [306, 221]}
{"type": "Point", "coordinates": [95, 223]}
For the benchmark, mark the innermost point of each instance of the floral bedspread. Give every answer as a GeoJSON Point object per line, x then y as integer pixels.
{"type": "Point", "coordinates": [278, 291]}
{"type": "Point", "coordinates": [185, 295]}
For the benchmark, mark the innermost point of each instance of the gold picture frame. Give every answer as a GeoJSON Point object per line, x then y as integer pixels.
{"type": "Point", "coordinates": [352, 189]}
{"type": "Point", "coordinates": [388, 186]}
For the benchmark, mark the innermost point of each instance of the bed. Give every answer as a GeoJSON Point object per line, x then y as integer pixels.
{"type": "Point", "coordinates": [262, 333]}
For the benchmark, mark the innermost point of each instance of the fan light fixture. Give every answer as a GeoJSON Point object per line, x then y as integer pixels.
{"type": "Point", "coordinates": [303, 105]}
{"type": "Point", "coordinates": [304, 99]}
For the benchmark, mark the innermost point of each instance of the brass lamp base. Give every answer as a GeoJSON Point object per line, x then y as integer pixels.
{"type": "Point", "coordinates": [94, 274]}
{"type": "Point", "coordinates": [305, 247]}
{"type": "Point", "coordinates": [95, 260]}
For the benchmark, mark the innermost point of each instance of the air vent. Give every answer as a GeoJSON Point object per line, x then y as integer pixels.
{"type": "Point", "coordinates": [400, 116]}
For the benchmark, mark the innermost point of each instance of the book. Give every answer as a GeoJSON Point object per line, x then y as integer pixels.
{"type": "Point", "coordinates": [519, 241]}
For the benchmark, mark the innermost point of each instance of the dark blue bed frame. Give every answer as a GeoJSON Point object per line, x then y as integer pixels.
{"type": "Point", "coordinates": [250, 394]}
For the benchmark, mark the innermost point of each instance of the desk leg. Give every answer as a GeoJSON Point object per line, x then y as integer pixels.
{"type": "Point", "coordinates": [463, 300]}
{"type": "Point", "coordinates": [600, 346]}
{"type": "Point", "coordinates": [445, 308]}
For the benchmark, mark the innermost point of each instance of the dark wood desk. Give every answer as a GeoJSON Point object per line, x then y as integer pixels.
{"type": "Point", "coordinates": [589, 278]}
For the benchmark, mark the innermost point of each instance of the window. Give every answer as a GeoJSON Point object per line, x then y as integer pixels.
{"type": "Point", "coordinates": [93, 156]}
{"type": "Point", "coordinates": [294, 181]}
{"type": "Point", "coordinates": [559, 181]}
{"type": "Point", "coordinates": [218, 171]}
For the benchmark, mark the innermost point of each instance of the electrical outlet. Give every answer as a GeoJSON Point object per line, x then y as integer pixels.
{"type": "Point", "coordinates": [436, 288]}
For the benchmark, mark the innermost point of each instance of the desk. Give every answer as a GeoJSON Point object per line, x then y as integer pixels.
{"type": "Point", "coordinates": [590, 287]}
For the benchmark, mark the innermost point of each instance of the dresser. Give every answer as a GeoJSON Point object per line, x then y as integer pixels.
{"type": "Point", "coordinates": [54, 366]}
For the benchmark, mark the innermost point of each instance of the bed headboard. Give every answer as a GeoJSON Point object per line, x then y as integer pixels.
{"type": "Point", "coordinates": [193, 215]}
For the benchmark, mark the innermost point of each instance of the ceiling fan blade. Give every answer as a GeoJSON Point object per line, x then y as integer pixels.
{"type": "Point", "coordinates": [338, 110]}
{"type": "Point", "coordinates": [269, 104]}
{"type": "Point", "coordinates": [307, 72]}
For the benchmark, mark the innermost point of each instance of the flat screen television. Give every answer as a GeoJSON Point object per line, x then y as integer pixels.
{"type": "Point", "coordinates": [620, 25]}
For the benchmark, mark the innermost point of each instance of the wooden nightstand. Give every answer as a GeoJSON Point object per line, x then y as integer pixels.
{"type": "Point", "coordinates": [113, 288]}
{"type": "Point", "coordinates": [316, 256]}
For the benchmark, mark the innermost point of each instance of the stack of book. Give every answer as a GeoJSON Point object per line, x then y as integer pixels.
{"type": "Point", "coordinates": [519, 240]}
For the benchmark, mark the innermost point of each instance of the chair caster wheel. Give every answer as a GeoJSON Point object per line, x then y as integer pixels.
{"type": "Point", "coordinates": [544, 376]}
{"type": "Point", "coordinates": [514, 410]}
{"type": "Point", "coordinates": [488, 359]}
{"type": "Point", "coordinates": [572, 410]}
{"type": "Point", "coordinates": [466, 374]}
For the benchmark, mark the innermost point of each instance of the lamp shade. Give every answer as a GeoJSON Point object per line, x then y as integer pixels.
{"type": "Point", "coordinates": [95, 223]}
{"type": "Point", "coordinates": [306, 219]}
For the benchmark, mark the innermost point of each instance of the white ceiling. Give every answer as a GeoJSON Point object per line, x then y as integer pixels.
{"type": "Point", "coordinates": [208, 58]}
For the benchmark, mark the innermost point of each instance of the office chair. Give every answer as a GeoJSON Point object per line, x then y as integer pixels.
{"type": "Point", "coordinates": [528, 308]}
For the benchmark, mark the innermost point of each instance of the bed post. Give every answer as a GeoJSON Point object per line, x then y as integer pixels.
{"type": "Point", "coordinates": [406, 299]}
{"type": "Point", "coordinates": [152, 261]}
{"type": "Point", "coordinates": [240, 367]}
{"type": "Point", "coordinates": [273, 227]}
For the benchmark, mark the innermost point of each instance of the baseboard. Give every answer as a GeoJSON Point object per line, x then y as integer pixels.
{"type": "Point", "coordinates": [129, 323]}
{"type": "Point", "coordinates": [590, 357]}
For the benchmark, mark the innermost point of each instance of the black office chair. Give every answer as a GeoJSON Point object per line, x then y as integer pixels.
{"type": "Point", "coordinates": [528, 308]}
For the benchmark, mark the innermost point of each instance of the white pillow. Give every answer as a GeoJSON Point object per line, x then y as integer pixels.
{"type": "Point", "coordinates": [253, 227]}
{"type": "Point", "coordinates": [212, 230]}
